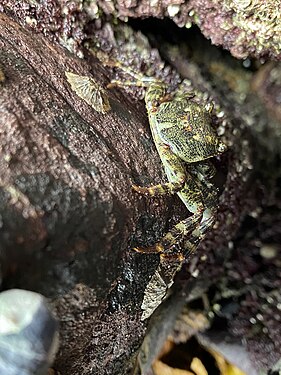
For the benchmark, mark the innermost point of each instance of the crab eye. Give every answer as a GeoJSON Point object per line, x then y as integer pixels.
{"type": "Point", "coordinates": [222, 147]}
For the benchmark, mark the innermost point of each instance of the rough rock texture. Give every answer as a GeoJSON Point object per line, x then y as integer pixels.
{"type": "Point", "coordinates": [68, 215]}
{"type": "Point", "coordinates": [67, 210]}
{"type": "Point", "coordinates": [244, 269]}
{"type": "Point", "coordinates": [248, 28]}
{"type": "Point", "coordinates": [52, 18]}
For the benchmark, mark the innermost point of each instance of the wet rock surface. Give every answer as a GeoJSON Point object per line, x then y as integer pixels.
{"type": "Point", "coordinates": [69, 216]}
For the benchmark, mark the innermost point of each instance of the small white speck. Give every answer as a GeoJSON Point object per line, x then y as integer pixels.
{"type": "Point", "coordinates": [30, 21]}
{"type": "Point", "coordinates": [259, 317]}
{"type": "Point", "coordinates": [239, 168]}
{"type": "Point", "coordinates": [65, 11]}
{"type": "Point", "coordinates": [270, 300]}
{"type": "Point", "coordinates": [173, 10]}
{"type": "Point", "coordinates": [268, 251]}
{"type": "Point", "coordinates": [220, 131]}
{"type": "Point", "coordinates": [80, 54]}
{"type": "Point", "coordinates": [230, 245]}
{"type": "Point", "coordinates": [153, 3]}
{"type": "Point", "coordinates": [216, 307]}
{"type": "Point", "coordinates": [195, 273]}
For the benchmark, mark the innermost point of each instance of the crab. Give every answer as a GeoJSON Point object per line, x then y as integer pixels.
{"type": "Point", "coordinates": [185, 140]}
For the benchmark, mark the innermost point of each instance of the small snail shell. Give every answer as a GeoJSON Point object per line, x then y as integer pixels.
{"type": "Point", "coordinates": [28, 333]}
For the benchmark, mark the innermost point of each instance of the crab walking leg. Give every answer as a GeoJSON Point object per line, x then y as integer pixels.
{"type": "Point", "coordinates": [189, 194]}
{"type": "Point", "coordinates": [173, 237]}
{"type": "Point", "coordinates": [191, 197]}
{"type": "Point", "coordinates": [139, 79]}
{"type": "Point", "coordinates": [179, 180]}
{"type": "Point", "coordinates": [171, 162]}
{"type": "Point", "coordinates": [117, 83]}
{"type": "Point", "coordinates": [191, 244]}
{"type": "Point", "coordinates": [161, 189]}
{"type": "Point", "coordinates": [169, 266]}
{"type": "Point", "coordinates": [156, 92]}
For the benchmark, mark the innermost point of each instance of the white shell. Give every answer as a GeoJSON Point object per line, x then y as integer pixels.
{"type": "Point", "coordinates": [88, 89]}
{"type": "Point", "coordinates": [28, 333]}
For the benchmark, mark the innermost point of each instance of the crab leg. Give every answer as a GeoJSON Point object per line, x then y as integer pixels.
{"type": "Point", "coordinates": [180, 181]}
{"type": "Point", "coordinates": [174, 236]}
{"type": "Point", "coordinates": [191, 244]}
{"type": "Point", "coordinates": [154, 95]}
{"type": "Point", "coordinates": [189, 194]}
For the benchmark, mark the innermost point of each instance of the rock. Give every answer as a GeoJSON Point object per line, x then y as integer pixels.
{"type": "Point", "coordinates": [28, 333]}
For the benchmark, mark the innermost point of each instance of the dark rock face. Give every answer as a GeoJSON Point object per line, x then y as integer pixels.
{"type": "Point", "coordinates": [66, 223]}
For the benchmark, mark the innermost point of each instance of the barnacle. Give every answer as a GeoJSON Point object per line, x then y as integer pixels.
{"type": "Point", "coordinates": [90, 91]}
{"type": "Point", "coordinates": [259, 23]}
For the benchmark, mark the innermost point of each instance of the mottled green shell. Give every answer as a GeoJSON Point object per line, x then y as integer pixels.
{"type": "Point", "coordinates": [186, 127]}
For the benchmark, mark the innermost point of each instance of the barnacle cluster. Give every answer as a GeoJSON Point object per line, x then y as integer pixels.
{"type": "Point", "coordinates": [259, 24]}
